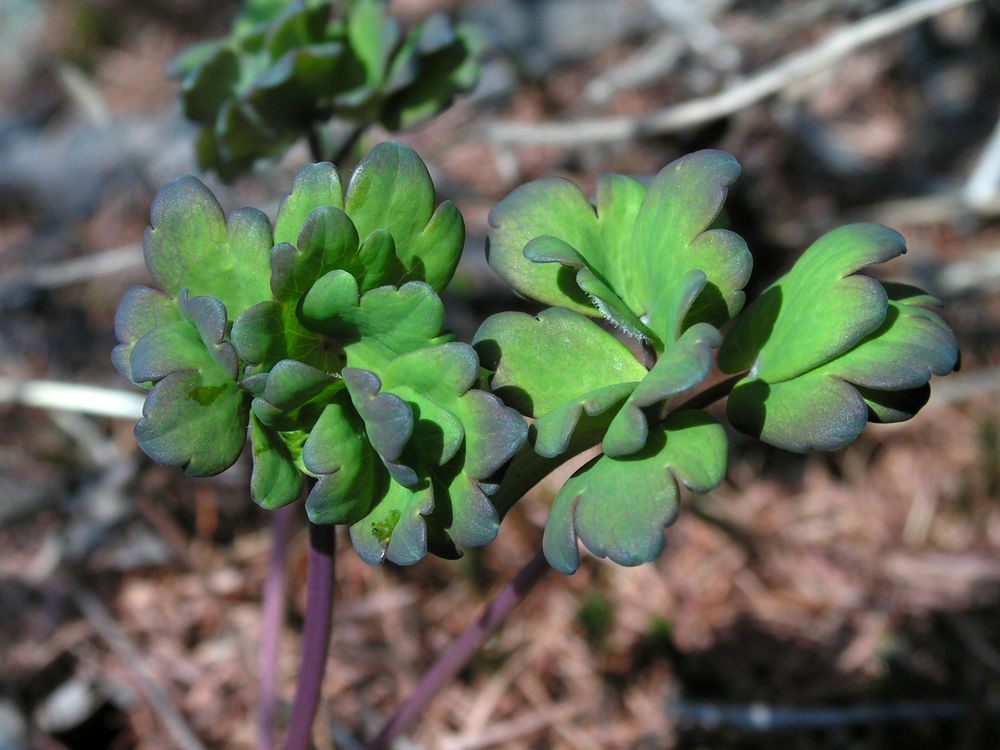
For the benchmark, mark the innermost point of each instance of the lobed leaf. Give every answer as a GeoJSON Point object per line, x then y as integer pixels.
{"type": "Point", "coordinates": [543, 363]}
{"type": "Point", "coordinates": [391, 190]}
{"type": "Point", "coordinates": [629, 255]}
{"type": "Point", "coordinates": [830, 350]}
{"type": "Point", "coordinates": [189, 245]}
{"type": "Point", "coordinates": [351, 479]}
{"type": "Point", "coordinates": [275, 480]}
{"type": "Point", "coordinates": [618, 507]}
{"type": "Point", "coordinates": [608, 388]}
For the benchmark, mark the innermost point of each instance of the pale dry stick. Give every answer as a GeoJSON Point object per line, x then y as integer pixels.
{"type": "Point", "coordinates": [694, 22]}
{"type": "Point", "coordinates": [656, 60]}
{"type": "Point", "coordinates": [983, 187]}
{"type": "Point", "coordinates": [925, 210]}
{"type": "Point", "coordinates": [958, 388]}
{"type": "Point", "coordinates": [82, 399]}
{"type": "Point", "coordinates": [647, 65]}
{"type": "Point", "coordinates": [740, 95]}
{"type": "Point", "coordinates": [123, 647]}
{"type": "Point", "coordinates": [981, 273]}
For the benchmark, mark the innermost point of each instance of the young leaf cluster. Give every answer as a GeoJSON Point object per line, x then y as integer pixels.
{"type": "Point", "coordinates": [822, 351]}
{"type": "Point", "coordinates": [324, 335]}
{"type": "Point", "coordinates": [287, 68]}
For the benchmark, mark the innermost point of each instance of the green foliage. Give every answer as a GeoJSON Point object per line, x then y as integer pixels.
{"type": "Point", "coordinates": [287, 68]}
{"type": "Point", "coordinates": [619, 506]}
{"type": "Point", "coordinates": [629, 255]}
{"type": "Point", "coordinates": [326, 337]}
{"type": "Point", "coordinates": [823, 351]}
{"type": "Point", "coordinates": [829, 349]}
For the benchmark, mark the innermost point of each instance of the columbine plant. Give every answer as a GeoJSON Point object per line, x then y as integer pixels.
{"type": "Point", "coordinates": [289, 69]}
{"type": "Point", "coordinates": [322, 335]}
{"type": "Point", "coordinates": [326, 336]}
{"type": "Point", "coordinates": [820, 353]}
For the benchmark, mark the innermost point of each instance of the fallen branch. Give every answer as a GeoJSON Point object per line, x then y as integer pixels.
{"type": "Point", "coordinates": [82, 399]}
{"type": "Point", "coordinates": [983, 187]}
{"type": "Point", "coordinates": [791, 69]}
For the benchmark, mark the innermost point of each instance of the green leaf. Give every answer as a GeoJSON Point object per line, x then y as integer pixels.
{"type": "Point", "coordinates": [286, 69]}
{"type": "Point", "coordinates": [275, 481]}
{"type": "Point", "coordinates": [191, 57]}
{"type": "Point", "coordinates": [195, 341]}
{"type": "Point", "coordinates": [372, 36]}
{"type": "Point", "coordinates": [327, 241]}
{"type": "Point", "coordinates": [443, 376]}
{"type": "Point", "coordinates": [290, 95]}
{"type": "Point", "coordinates": [196, 420]}
{"type": "Point", "coordinates": [592, 412]}
{"type": "Point", "coordinates": [388, 421]}
{"type": "Point", "coordinates": [190, 246]}
{"type": "Point", "coordinates": [294, 395]}
{"type": "Point", "coordinates": [195, 416]}
{"type": "Point", "coordinates": [299, 25]}
{"type": "Point", "coordinates": [392, 190]}
{"type": "Point", "coordinates": [141, 310]}
{"type": "Point", "coordinates": [377, 326]}
{"type": "Point", "coordinates": [395, 530]}
{"type": "Point", "coordinates": [351, 477]}
{"type": "Point", "coordinates": [314, 186]}
{"type": "Point", "coordinates": [618, 507]}
{"type": "Point", "coordinates": [870, 360]}
{"type": "Point", "coordinates": [546, 362]}
{"type": "Point", "coordinates": [819, 309]}
{"type": "Point", "coordinates": [609, 388]}
{"type": "Point", "coordinates": [211, 82]}
{"type": "Point", "coordinates": [443, 65]}
{"type": "Point", "coordinates": [631, 253]}
{"type": "Point", "coordinates": [463, 509]}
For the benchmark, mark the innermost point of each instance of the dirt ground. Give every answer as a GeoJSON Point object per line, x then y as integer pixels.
{"type": "Point", "coordinates": [844, 600]}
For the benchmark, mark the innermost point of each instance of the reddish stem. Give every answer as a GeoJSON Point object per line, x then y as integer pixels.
{"type": "Point", "coordinates": [272, 618]}
{"type": "Point", "coordinates": [315, 636]}
{"type": "Point", "coordinates": [461, 651]}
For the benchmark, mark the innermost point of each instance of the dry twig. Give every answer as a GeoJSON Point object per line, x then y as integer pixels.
{"type": "Point", "coordinates": [983, 188]}
{"type": "Point", "coordinates": [740, 95]}
{"type": "Point", "coordinates": [83, 399]}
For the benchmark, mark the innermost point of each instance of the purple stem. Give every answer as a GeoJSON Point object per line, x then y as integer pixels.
{"type": "Point", "coordinates": [459, 652]}
{"type": "Point", "coordinates": [272, 619]}
{"type": "Point", "coordinates": [315, 636]}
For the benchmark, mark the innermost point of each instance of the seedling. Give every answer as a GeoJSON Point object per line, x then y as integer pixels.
{"type": "Point", "coordinates": [322, 335]}
{"type": "Point", "coordinates": [324, 69]}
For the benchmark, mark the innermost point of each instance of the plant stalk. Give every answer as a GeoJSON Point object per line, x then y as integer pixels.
{"type": "Point", "coordinates": [461, 651]}
{"type": "Point", "coordinates": [525, 471]}
{"type": "Point", "coordinates": [272, 618]}
{"type": "Point", "coordinates": [315, 636]}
